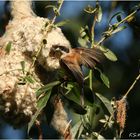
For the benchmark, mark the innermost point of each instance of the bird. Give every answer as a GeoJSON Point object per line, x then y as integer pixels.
{"type": "Point", "coordinates": [72, 59]}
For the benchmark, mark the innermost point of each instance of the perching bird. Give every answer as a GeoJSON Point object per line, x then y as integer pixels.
{"type": "Point", "coordinates": [72, 59]}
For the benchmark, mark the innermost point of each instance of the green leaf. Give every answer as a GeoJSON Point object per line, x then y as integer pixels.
{"type": "Point", "coordinates": [106, 103]}
{"type": "Point", "coordinates": [98, 13]}
{"type": "Point", "coordinates": [82, 42]}
{"type": "Point", "coordinates": [109, 54]}
{"type": "Point", "coordinates": [46, 88]}
{"type": "Point", "coordinates": [41, 104]}
{"type": "Point", "coordinates": [23, 66]}
{"type": "Point", "coordinates": [77, 129]}
{"type": "Point", "coordinates": [8, 47]}
{"type": "Point", "coordinates": [29, 79]}
{"type": "Point", "coordinates": [118, 13]}
{"type": "Point", "coordinates": [84, 33]}
{"type": "Point", "coordinates": [103, 77]}
{"type": "Point", "coordinates": [119, 29]}
{"type": "Point", "coordinates": [98, 136]}
{"type": "Point", "coordinates": [62, 23]}
{"type": "Point", "coordinates": [90, 10]}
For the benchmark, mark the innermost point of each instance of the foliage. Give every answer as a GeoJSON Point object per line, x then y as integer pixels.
{"type": "Point", "coordinates": [98, 113]}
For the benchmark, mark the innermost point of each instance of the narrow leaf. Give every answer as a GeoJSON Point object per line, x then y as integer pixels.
{"type": "Point", "coordinates": [82, 42]}
{"type": "Point", "coordinates": [105, 79]}
{"type": "Point", "coordinates": [41, 104]}
{"type": "Point", "coordinates": [98, 13]}
{"type": "Point", "coordinates": [75, 129]}
{"type": "Point", "coordinates": [109, 54]}
{"type": "Point", "coordinates": [119, 29]}
{"type": "Point", "coordinates": [106, 103]}
{"type": "Point", "coordinates": [98, 136]}
{"type": "Point", "coordinates": [8, 47]}
{"type": "Point", "coordinates": [62, 23]}
{"type": "Point", "coordinates": [90, 10]}
{"type": "Point", "coordinates": [46, 88]}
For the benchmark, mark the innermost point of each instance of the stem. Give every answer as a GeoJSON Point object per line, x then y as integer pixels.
{"type": "Point", "coordinates": [110, 30]}
{"type": "Point", "coordinates": [126, 18]}
{"type": "Point", "coordinates": [58, 10]}
{"type": "Point", "coordinates": [132, 86]}
{"type": "Point", "coordinates": [92, 45]}
{"type": "Point", "coordinates": [90, 79]}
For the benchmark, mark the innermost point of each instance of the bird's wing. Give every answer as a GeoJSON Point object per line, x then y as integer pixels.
{"type": "Point", "coordinates": [90, 56]}
{"type": "Point", "coordinates": [77, 57]}
{"type": "Point", "coordinates": [72, 68]}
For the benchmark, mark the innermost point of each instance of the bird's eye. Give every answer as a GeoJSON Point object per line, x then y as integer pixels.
{"type": "Point", "coordinates": [62, 48]}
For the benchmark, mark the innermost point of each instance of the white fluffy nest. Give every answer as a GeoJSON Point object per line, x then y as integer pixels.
{"type": "Point", "coordinates": [18, 101]}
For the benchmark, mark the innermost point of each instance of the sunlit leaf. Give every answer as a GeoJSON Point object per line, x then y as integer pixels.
{"type": "Point", "coordinates": [8, 47]}
{"type": "Point", "coordinates": [54, 8]}
{"type": "Point", "coordinates": [106, 103]}
{"type": "Point", "coordinates": [102, 120]}
{"type": "Point", "coordinates": [60, 1]}
{"type": "Point", "coordinates": [46, 88]}
{"type": "Point", "coordinates": [41, 104]}
{"type": "Point", "coordinates": [98, 136]}
{"type": "Point", "coordinates": [84, 33]}
{"type": "Point", "coordinates": [119, 29]}
{"type": "Point", "coordinates": [77, 129]}
{"type": "Point", "coordinates": [62, 23]}
{"type": "Point", "coordinates": [98, 13]}
{"type": "Point", "coordinates": [130, 19]}
{"type": "Point", "coordinates": [82, 42]}
{"type": "Point", "coordinates": [89, 9]}
{"type": "Point", "coordinates": [109, 54]}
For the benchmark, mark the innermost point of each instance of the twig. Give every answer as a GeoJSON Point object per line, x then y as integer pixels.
{"type": "Point", "coordinates": [92, 45]}
{"type": "Point", "coordinates": [115, 26]}
{"type": "Point", "coordinates": [132, 86]}
{"type": "Point", "coordinates": [58, 10]}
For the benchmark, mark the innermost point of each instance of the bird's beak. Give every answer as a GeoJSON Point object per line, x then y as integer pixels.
{"type": "Point", "coordinates": [57, 51]}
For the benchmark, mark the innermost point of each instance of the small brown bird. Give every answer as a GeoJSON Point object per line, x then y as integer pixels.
{"type": "Point", "coordinates": [72, 59]}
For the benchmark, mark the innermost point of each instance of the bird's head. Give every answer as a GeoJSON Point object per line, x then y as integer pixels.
{"type": "Point", "coordinates": [56, 45]}
{"type": "Point", "coordinates": [57, 51]}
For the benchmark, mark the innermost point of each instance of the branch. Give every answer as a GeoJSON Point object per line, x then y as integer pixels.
{"type": "Point", "coordinates": [132, 86]}
{"type": "Point", "coordinates": [111, 29]}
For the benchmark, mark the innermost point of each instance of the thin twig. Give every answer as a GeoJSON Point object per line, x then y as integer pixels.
{"type": "Point", "coordinates": [110, 30]}
{"type": "Point", "coordinates": [92, 45]}
{"type": "Point", "coordinates": [132, 86]}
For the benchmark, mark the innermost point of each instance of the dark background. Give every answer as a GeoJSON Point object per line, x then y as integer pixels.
{"type": "Point", "coordinates": [125, 44]}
